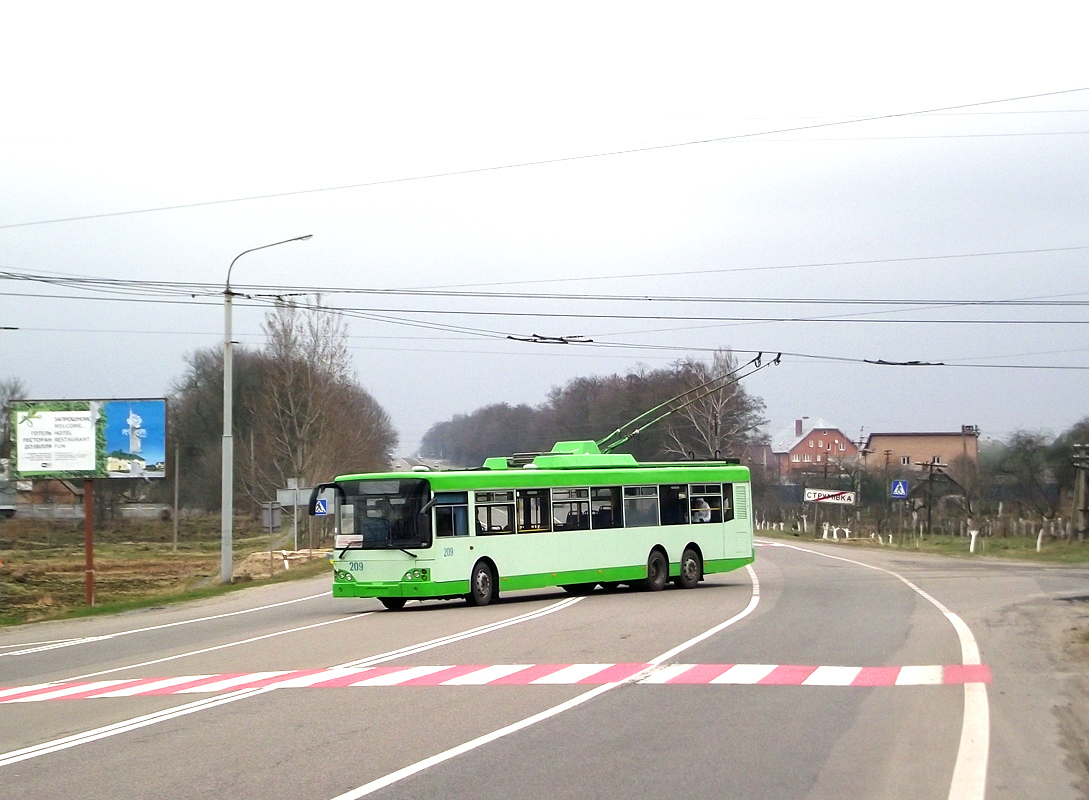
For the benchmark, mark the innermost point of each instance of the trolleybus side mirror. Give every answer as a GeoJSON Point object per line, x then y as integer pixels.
{"type": "Point", "coordinates": [311, 507]}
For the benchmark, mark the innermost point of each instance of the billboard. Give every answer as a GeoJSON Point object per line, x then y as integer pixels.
{"type": "Point", "coordinates": [89, 438]}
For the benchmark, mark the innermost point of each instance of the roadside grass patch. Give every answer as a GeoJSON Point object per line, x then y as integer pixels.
{"type": "Point", "coordinates": [42, 571]}
{"type": "Point", "coordinates": [1020, 548]}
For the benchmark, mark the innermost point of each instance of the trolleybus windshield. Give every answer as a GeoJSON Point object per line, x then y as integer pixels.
{"type": "Point", "coordinates": [379, 515]}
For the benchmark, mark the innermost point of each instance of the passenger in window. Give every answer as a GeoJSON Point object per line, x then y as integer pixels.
{"type": "Point", "coordinates": [701, 512]}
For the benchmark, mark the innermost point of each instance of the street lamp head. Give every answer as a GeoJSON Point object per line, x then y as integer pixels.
{"type": "Point", "coordinates": [262, 247]}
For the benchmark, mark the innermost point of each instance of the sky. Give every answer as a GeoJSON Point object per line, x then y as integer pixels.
{"type": "Point", "coordinates": [598, 159]}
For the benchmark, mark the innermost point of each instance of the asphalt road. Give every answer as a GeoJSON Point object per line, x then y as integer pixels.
{"type": "Point", "coordinates": [650, 730]}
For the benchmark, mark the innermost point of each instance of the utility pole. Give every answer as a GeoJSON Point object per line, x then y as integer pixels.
{"type": "Point", "coordinates": [1079, 520]}
{"type": "Point", "coordinates": [930, 467]}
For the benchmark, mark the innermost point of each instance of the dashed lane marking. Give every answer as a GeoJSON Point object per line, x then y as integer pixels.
{"type": "Point", "coordinates": [513, 675]}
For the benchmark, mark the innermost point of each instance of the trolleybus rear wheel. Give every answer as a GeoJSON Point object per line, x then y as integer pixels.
{"type": "Point", "coordinates": [393, 603]}
{"type": "Point", "coordinates": [691, 569]}
{"type": "Point", "coordinates": [657, 571]}
{"type": "Point", "coordinates": [481, 585]}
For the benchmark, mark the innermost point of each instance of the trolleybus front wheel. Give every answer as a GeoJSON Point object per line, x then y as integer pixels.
{"type": "Point", "coordinates": [691, 569]}
{"type": "Point", "coordinates": [657, 571]}
{"type": "Point", "coordinates": [393, 603]}
{"type": "Point", "coordinates": [481, 585]}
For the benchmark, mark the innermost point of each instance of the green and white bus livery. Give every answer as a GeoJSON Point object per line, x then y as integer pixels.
{"type": "Point", "coordinates": [574, 517]}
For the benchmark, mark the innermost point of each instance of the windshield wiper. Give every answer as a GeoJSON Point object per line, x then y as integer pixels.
{"type": "Point", "coordinates": [408, 551]}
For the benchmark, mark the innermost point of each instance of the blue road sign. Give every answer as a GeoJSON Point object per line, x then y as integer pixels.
{"type": "Point", "coordinates": [899, 490]}
{"type": "Point", "coordinates": [321, 508]}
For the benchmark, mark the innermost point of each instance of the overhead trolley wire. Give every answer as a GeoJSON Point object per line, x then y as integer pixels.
{"type": "Point", "coordinates": [543, 162]}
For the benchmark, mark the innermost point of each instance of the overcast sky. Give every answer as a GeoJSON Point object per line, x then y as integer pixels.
{"type": "Point", "coordinates": [126, 107]}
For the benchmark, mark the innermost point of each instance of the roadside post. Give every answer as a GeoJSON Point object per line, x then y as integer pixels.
{"type": "Point", "coordinates": [290, 498]}
{"type": "Point", "coordinates": [89, 539]}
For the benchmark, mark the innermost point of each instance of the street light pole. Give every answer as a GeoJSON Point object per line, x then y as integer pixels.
{"type": "Point", "coordinates": [227, 478]}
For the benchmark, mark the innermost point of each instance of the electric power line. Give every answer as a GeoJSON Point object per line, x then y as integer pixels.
{"type": "Point", "coordinates": [543, 162]}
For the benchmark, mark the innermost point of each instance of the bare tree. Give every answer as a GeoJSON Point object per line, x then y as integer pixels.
{"type": "Point", "coordinates": [1025, 463]}
{"type": "Point", "coordinates": [310, 417]}
{"type": "Point", "coordinates": [298, 412]}
{"type": "Point", "coordinates": [722, 423]}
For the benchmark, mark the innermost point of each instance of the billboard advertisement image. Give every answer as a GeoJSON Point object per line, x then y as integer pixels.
{"type": "Point", "coordinates": [135, 438]}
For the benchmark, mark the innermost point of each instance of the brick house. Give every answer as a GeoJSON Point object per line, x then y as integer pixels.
{"type": "Point", "coordinates": [907, 450]}
{"type": "Point", "coordinates": [812, 447]}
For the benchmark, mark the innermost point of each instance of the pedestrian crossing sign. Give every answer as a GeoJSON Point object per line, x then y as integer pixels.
{"type": "Point", "coordinates": [321, 508]}
{"type": "Point", "coordinates": [899, 490]}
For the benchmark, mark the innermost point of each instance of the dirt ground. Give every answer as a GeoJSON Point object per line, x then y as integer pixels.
{"type": "Point", "coordinates": [1067, 626]}
{"type": "Point", "coordinates": [261, 565]}
{"type": "Point", "coordinates": [42, 564]}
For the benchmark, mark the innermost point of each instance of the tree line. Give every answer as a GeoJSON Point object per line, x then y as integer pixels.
{"type": "Point", "coordinates": [720, 424]}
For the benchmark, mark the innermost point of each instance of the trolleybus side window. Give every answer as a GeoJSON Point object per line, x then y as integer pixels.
{"type": "Point", "coordinates": [727, 502]}
{"type": "Point", "coordinates": [674, 499]}
{"type": "Point", "coordinates": [533, 511]}
{"type": "Point", "coordinates": [640, 506]}
{"type": "Point", "coordinates": [706, 502]}
{"type": "Point", "coordinates": [451, 513]}
{"type": "Point", "coordinates": [606, 507]}
{"type": "Point", "coordinates": [571, 509]}
{"type": "Point", "coordinates": [494, 512]}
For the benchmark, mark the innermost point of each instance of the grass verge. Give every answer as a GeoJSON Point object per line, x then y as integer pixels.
{"type": "Point", "coordinates": [1020, 548]}
{"type": "Point", "coordinates": [42, 568]}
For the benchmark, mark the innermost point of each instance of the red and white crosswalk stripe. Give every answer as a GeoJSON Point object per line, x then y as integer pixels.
{"type": "Point", "coordinates": [512, 675]}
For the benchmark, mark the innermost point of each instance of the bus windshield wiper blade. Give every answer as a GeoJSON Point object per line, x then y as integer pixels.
{"type": "Point", "coordinates": [408, 551]}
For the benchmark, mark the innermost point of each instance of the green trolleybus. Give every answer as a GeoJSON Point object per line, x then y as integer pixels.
{"type": "Point", "coordinates": [574, 517]}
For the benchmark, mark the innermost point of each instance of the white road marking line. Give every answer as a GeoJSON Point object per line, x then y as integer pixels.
{"type": "Point", "coordinates": [200, 705]}
{"type": "Point", "coordinates": [480, 741]}
{"type": "Point", "coordinates": [14, 756]}
{"type": "Point", "coordinates": [21, 689]}
{"type": "Point", "coordinates": [970, 770]}
{"type": "Point", "coordinates": [83, 687]}
{"type": "Point", "coordinates": [744, 674]}
{"type": "Point", "coordinates": [231, 683]}
{"type": "Point", "coordinates": [666, 674]}
{"type": "Point", "coordinates": [400, 676]}
{"type": "Point", "coordinates": [486, 675]}
{"type": "Point", "coordinates": [221, 646]}
{"type": "Point", "coordinates": [154, 686]}
{"type": "Point", "coordinates": [43, 646]}
{"type": "Point", "coordinates": [317, 677]}
{"type": "Point", "coordinates": [920, 676]}
{"type": "Point", "coordinates": [477, 675]}
{"type": "Point", "coordinates": [458, 637]}
{"type": "Point", "coordinates": [36, 644]}
{"type": "Point", "coordinates": [571, 674]}
{"type": "Point", "coordinates": [832, 676]}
